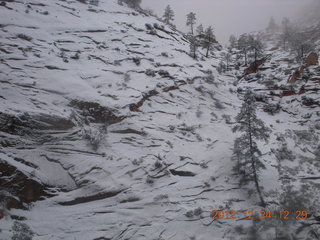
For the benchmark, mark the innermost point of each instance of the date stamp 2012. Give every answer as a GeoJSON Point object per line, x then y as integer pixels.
{"type": "Point", "coordinates": [263, 215]}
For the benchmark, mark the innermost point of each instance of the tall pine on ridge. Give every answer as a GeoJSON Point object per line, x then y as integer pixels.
{"type": "Point", "coordinates": [168, 15]}
{"type": "Point", "coordinates": [191, 21]}
{"type": "Point", "coordinates": [246, 148]}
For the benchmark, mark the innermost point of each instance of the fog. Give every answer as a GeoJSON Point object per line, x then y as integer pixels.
{"type": "Point", "coordinates": [229, 16]}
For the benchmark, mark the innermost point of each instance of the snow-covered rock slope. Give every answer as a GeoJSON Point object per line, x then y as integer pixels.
{"type": "Point", "coordinates": [125, 134]}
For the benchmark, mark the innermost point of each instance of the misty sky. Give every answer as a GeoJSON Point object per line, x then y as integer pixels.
{"type": "Point", "coordinates": [229, 16]}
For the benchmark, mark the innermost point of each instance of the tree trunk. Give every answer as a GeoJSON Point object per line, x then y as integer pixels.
{"type": "Point", "coordinates": [208, 48]}
{"type": "Point", "coordinates": [245, 58]}
{"type": "Point", "coordinates": [255, 177]}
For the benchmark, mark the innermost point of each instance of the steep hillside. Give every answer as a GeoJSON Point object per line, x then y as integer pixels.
{"type": "Point", "coordinates": [110, 130]}
{"type": "Point", "coordinates": [105, 109]}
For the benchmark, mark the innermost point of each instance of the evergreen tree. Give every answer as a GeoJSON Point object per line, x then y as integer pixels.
{"type": "Point", "coordinates": [200, 31]}
{"type": "Point", "coordinates": [233, 41]}
{"type": "Point", "coordinates": [227, 59]}
{"type": "Point", "coordinates": [94, 2]}
{"type": "Point", "coordinates": [286, 31]}
{"type": "Point", "coordinates": [194, 44]}
{"type": "Point", "coordinates": [252, 128]}
{"type": "Point", "coordinates": [168, 15]}
{"type": "Point", "coordinates": [21, 231]}
{"type": "Point", "coordinates": [301, 45]}
{"type": "Point", "coordinates": [191, 21]}
{"type": "Point", "coordinates": [131, 3]}
{"type": "Point", "coordinates": [209, 39]}
{"type": "Point", "coordinates": [272, 27]}
{"type": "Point", "coordinates": [243, 46]}
{"type": "Point", "coordinates": [256, 46]}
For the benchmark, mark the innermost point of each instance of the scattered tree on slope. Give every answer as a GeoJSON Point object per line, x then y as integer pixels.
{"type": "Point", "coordinates": [246, 148]}
{"type": "Point", "coordinates": [168, 15]}
{"type": "Point", "coordinates": [191, 21]}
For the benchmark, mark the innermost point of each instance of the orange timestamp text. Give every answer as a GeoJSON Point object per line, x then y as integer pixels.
{"type": "Point", "coordinates": [218, 214]}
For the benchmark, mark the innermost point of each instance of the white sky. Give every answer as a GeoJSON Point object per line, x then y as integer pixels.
{"type": "Point", "coordinates": [228, 16]}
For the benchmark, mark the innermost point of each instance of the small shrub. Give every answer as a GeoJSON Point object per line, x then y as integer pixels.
{"type": "Point", "coordinates": [227, 118]}
{"type": "Point", "coordinates": [158, 164]}
{"type": "Point", "coordinates": [117, 63]}
{"type": "Point", "coordinates": [149, 26]}
{"type": "Point", "coordinates": [21, 231]}
{"type": "Point", "coordinates": [272, 109]}
{"type": "Point", "coordinates": [150, 72]}
{"type": "Point", "coordinates": [164, 54]}
{"type": "Point", "coordinates": [203, 164]}
{"type": "Point", "coordinates": [24, 37]}
{"type": "Point", "coordinates": [209, 78]}
{"type": "Point", "coordinates": [149, 180]}
{"type": "Point", "coordinates": [197, 211]}
{"type": "Point", "coordinates": [127, 77]}
{"type": "Point", "coordinates": [164, 73]}
{"type": "Point", "coordinates": [94, 136]}
{"type": "Point", "coordinates": [94, 2]}
{"type": "Point", "coordinates": [76, 56]}
{"type": "Point", "coordinates": [189, 214]}
{"type": "Point", "coordinates": [219, 105]}
{"type": "Point", "coordinates": [199, 113]}
{"type": "Point", "coordinates": [284, 153]}
{"type": "Point", "coordinates": [137, 61]}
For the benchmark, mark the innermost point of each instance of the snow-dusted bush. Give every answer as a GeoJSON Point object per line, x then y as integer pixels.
{"type": "Point", "coordinates": [306, 136]}
{"type": "Point", "coordinates": [221, 68]}
{"type": "Point", "coordinates": [284, 153]}
{"type": "Point", "coordinates": [271, 108]}
{"type": "Point", "coordinates": [308, 100]}
{"type": "Point", "coordinates": [95, 136]}
{"type": "Point", "coordinates": [150, 72]}
{"type": "Point", "coordinates": [163, 73]}
{"type": "Point", "coordinates": [126, 77]}
{"type": "Point", "coordinates": [227, 118]}
{"type": "Point", "coordinates": [218, 105]}
{"type": "Point", "coordinates": [199, 113]}
{"type": "Point", "coordinates": [94, 2]}
{"type": "Point", "coordinates": [164, 54]}
{"type": "Point", "coordinates": [76, 56]}
{"type": "Point", "coordinates": [21, 231]}
{"type": "Point", "coordinates": [130, 3]}
{"type": "Point", "coordinates": [158, 164]}
{"type": "Point", "coordinates": [209, 78]}
{"type": "Point", "coordinates": [24, 37]}
{"type": "Point", "coordinates": [149, 180]}
{"type": "Point", "coordinates": [136, 60]}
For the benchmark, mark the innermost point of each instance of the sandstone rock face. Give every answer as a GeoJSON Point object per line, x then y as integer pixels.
{"type": "Point", "coordinates": [294, 77]}
{"type": "Point", "coordinates": [27, 189]}
{"type": "Point", "coordinates": [254, 66]}
{"type": "Point", "coordinates": [312, 59]}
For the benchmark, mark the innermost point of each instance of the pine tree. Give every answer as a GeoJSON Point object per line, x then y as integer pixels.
{"type": "Point", "coordinates": [233, 41]}
{"type": "Point", "coordinates": [168, 15]}
{"type": "Point", "coordinates": [286, 31]}
{"type": "Point", "coordinates": [191, 21]}
{"type": "Point", "coordinates": [273, 26]}
{"type": "Point", "coordinates": [301, 45]}
{"type": "Point", "coordinates": [209, 39]}
{"type": "Point", "coordinates": [94, 2]}
{"type": "Point", "coordinates": [200, 31]}
{"type": "Point", "coordinates": [253, 129]}
{"type": "Point", "coordinates": [256, 46]}
{"type": "Point", "coordinates": [131, 3]}
{"type": "Point", "coordinates": [227, 58]}
{"type": "Point", "coordinates": [243, 46]}
{"type": "Point", "coordinates": [194, 44]}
